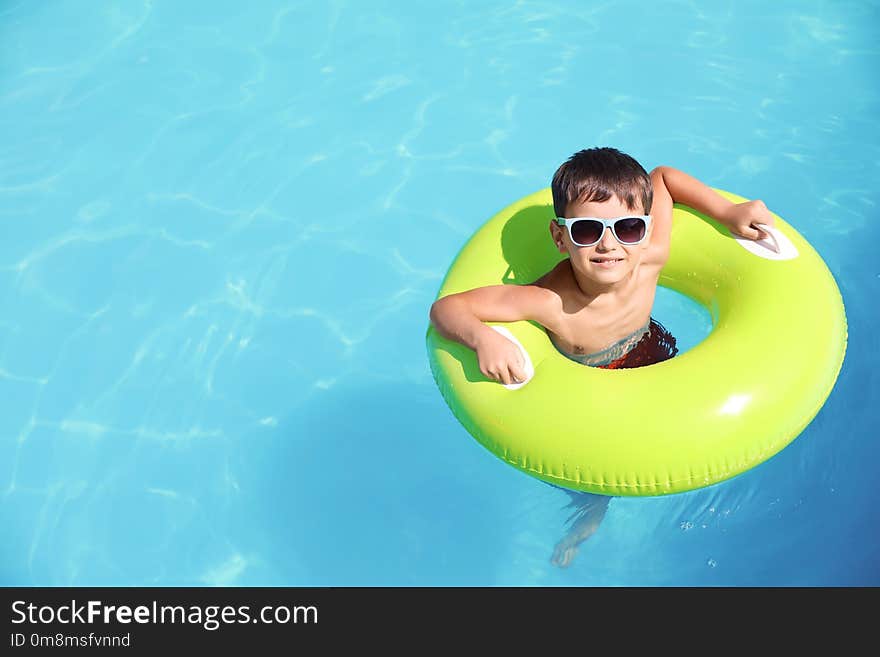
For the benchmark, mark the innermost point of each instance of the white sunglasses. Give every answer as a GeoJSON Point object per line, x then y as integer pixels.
{"type": "Point", "coordinates": [587, 231]}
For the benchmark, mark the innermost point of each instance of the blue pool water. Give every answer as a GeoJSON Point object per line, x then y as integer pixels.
{"type": "Point", "coordinates": [223, 226]}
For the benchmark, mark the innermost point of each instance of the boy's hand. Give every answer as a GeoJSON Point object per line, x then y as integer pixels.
{"type": "Point", "coordinates": [741, 217]}
{"type": "Point", "coordinates": [499, 358]}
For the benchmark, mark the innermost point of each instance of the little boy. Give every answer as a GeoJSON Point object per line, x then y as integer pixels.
{"type": "Point", "coordinates": [613, 220]}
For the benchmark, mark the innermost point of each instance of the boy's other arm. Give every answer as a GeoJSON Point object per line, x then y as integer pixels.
{"type": "Point", "coordinates": [460, 317]}
{"type": "Point", "coordinates": [661, 218]}
{"type": "Point", "coordinates": [738, 217]}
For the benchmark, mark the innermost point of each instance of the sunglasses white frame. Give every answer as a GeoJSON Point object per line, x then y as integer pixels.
{"type": "Point", "coordinates": [606, 223]}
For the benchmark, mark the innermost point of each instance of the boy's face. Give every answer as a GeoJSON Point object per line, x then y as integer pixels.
{"type": "Point", "coordinates": [608, 261]}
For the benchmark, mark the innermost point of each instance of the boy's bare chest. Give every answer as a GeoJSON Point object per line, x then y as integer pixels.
{"type": "Point", "coordinates": [592, 329]}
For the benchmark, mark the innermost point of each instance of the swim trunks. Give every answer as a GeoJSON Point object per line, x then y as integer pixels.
{"type": "Point", "coordinates": [646, 346]}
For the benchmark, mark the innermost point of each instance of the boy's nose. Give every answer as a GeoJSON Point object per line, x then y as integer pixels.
{"type": "Point", "coordinates": [608, 239]}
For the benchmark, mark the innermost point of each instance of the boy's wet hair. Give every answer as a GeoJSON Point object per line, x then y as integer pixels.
{"type": "Point", "coordinates": [594, 174]}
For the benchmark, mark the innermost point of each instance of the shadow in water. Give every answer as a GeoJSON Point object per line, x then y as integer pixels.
{"type": "Point", "coordinates": [371, 485]}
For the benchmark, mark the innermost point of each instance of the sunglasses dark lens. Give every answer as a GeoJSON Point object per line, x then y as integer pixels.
{"type": "Point", "coordinates": [630, 230]}
{"type": "Point", "coordinates": [586, 231]}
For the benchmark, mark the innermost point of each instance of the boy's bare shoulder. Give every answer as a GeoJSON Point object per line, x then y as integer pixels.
{"type": "Point", "coordinates": [550, 290]}
{"type": "Point", "coordinates": [540, 299]}
{"type": "Point", "coordinates": [557, 282]}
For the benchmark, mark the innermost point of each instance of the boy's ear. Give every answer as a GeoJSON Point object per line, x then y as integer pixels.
{"type": "Point", "coordinates": [556, 232]}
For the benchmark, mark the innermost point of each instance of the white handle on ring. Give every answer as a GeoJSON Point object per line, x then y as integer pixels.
{"type": "Point", "coordinates": [776, 247]}
{"type": "Point", "coordinates": [528, 367]}
{"type": "Point", "coordinates": [767, 231]}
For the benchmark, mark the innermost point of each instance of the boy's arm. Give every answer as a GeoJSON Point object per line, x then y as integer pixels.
{"type": "Point", "coordinates": [460, 317]}
{"type": "Point", "coordinates": [661, 213]}
{"type": "Point", "coordinates": [738, 217]}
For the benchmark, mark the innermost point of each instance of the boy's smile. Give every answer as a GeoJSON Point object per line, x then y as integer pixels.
{"type": "Point", "coordinates": [606, 263]}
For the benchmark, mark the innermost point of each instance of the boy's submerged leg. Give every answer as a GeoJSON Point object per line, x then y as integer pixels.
{"type": "Point", "coordinates": [585, 520]}
{"type": "Point", "coordinates": [656, 346]}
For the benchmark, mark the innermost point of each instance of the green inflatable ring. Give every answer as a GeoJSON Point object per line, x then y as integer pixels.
{"type": "Point", "coordinates": [733, 401]}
